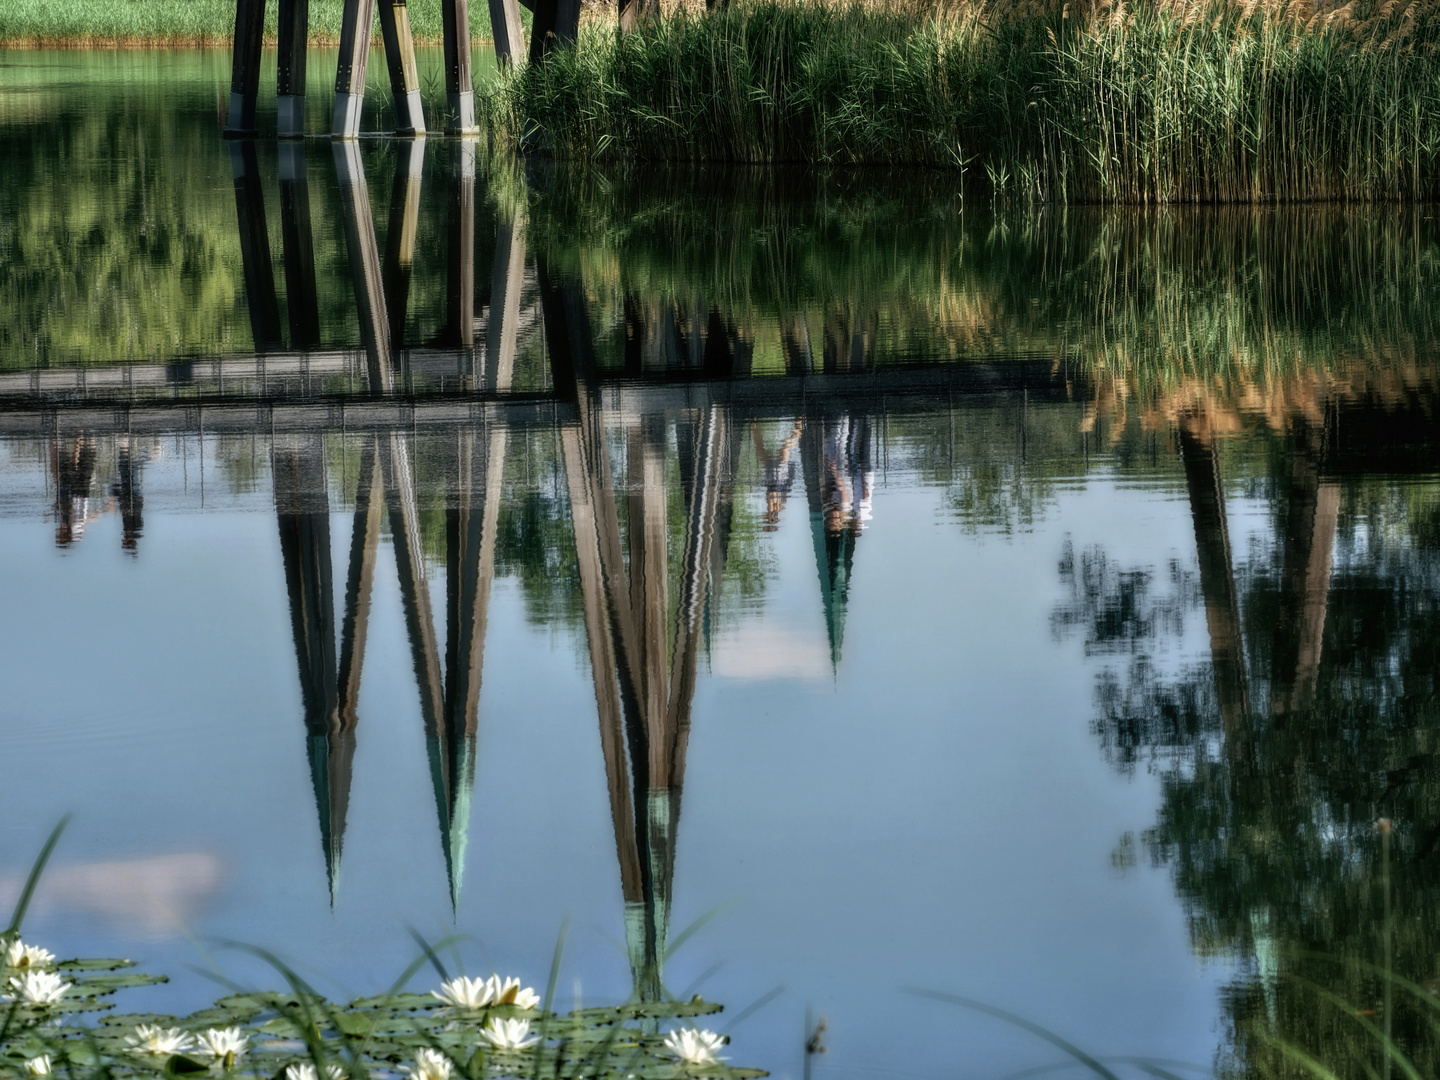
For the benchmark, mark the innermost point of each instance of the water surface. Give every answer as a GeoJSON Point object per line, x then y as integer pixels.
{"type": "Point", "coordinates": [1028, 605]}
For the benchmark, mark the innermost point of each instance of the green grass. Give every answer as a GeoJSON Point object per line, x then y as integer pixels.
{"type": "Point", "coordinates": [80, 23]}
{"type": "Point", "coordinates": [1215, 103]}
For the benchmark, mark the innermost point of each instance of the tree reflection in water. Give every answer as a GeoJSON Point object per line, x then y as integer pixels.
{"type": "Point", "coordinates": [1301, 795]}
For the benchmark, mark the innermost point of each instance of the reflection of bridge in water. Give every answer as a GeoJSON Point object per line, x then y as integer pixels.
{"type": "Point", "coordinates": [673, 417]}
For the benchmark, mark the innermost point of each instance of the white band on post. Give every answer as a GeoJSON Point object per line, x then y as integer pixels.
{"type": "Point", "coordinates": [290, 116]}
{"type": "Point", "coordinates": [346, 121]}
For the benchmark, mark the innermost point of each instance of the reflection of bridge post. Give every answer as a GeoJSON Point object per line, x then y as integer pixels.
{"type": "Point", "coordinates": [303, 513]}
{"type": "Point", "coordinates": [507, 275]}
{"type": "Point", "coordinates": [365, 267]}
{"type": "Point", "coordinates": [255, 246]}
{"type": "Point", "coordinates": [400, 237]}
{"type": "Point", "coordinates": [460, 248]}
{"type": "Point", "coordinates": [836, 458]}
{"type": "Point", "coordinates": [795, 343]}
{"type": "Point", "coordinates": [476, 487]}
{"type": "Point", "coordinates": [1310, 518]}
{"type": "Point", "coordinates": [643, 688]}
{"type": "Point", "coordinates": [129, 491]}
{"type": "Point", "coordinates": [849, 341]}
{"type": "Point", "coordinates": [1217, 582]}
{"type": "Point", "coordinates": [74, 469]}
{"type": "Point", "coordinates": [299, 247]}
{"type": "Point", "coordinates": [364, 544]}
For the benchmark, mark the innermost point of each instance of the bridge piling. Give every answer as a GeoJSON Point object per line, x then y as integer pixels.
{"type": "Point", "coordinates": [245, 68]}
{"type": "Point", "coordinates": [459, 87]}
{"type": "Point", "coordinates": [358, 17]}
{"type": "Point", "coordinates": [400, 59]}
{"type": "Point", "coordinates": [294, 34]}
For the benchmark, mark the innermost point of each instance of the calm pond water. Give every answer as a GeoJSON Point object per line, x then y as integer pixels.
{"type": "Point", "coordinates": [899, 593]}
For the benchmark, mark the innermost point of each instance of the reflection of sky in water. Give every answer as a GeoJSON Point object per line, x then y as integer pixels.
{"type": "Point", "coordinates": [934, 814]}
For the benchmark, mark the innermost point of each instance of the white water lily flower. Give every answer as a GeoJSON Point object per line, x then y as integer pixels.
{"type": "Point", "coordinates": [509, 1034]}
{"type": "Point", "coordinates": [37, 987]}
{"type": "Point", "coordinates": [226, 1045]}
{"type": "Point", "coordinates": [694, 1047]}
{"type": "Point", "coordinates": [429, 1065]}
{"type": "Point", "coordinates": [465, 993]}
{"type": "Point", "coordinates": [510, 992]}
{"type": "Point", "coordinates": [38, 1066]}
{"type": "Point", "coordinates": [19, 955]}
{"type": "Point", "coordinates": [303, 1070]}
{"type": "Point", "coordinates": [160, 1041]}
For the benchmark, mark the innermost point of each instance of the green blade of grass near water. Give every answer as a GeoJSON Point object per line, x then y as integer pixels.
{"type": "Point", "coordinates": [1088, 1060]}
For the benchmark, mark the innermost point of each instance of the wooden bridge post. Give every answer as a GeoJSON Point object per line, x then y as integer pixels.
{"type": "Point", "coordinates": [507, 31]}
{"type": "Point", "coordinates": [459, 90]}
{"type": "Point", "coordinates": [294, 35]}
{"type": "Point", "coordinates": [355, 25]}
{"type": "Point", "coordinates": [400, 59]}
{"type": "Point", "coordinates": [245, 68]}
{"type": "Point", "coordinates": [557, 22]}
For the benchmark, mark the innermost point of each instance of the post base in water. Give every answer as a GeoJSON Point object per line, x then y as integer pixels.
{"type": "Point", "coordinates": [409, 115]}
{"type": "Point", "coordinates": [461, 117]}
{"type": "Point", "coordinates": [292, 162]}
{"type": "Point", "coordinates": [240, 120]}
{"type": "Point", "coordinates": [345, 122]}
{"type": "Point", "coordinates": [290, 116]}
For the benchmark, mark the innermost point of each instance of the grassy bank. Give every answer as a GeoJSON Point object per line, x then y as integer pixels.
{"type": "Point", "coordinates": [112, 23]}
{"type": "Point", "coordinates": [1152, 103]}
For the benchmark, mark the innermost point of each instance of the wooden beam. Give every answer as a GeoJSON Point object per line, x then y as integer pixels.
{"type": "Point", "coordinates": [294, 37]}
{"type": "Point", "coordinates": [507, 30]}
{"type": "Point", "coordinates": [459, 85]}
{"type": "Point", "coordinates": [355, 24]}
{"type": "Point", "coordinates": [245, 68]}
{"type": "Point", "coordinates": [400, 61]}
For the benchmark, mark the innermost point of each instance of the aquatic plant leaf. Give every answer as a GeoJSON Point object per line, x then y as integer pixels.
{"type": "Point", "coordinates": [96, 965]}
{"type": "Point", "coordinates": [181, 1065]}
{"type": "Point", "coordinates": [406, 1002]}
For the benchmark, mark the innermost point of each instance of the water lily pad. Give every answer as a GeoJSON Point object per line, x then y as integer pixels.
{"type": "Point", "coordinates": [181, 1065]}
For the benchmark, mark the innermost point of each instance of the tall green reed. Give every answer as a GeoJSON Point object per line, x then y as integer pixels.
{"type": "Point", "coordinates": [1155, 103]}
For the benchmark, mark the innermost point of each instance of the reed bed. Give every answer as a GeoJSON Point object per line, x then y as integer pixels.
{"type": "Point", "coordinates": [1155, 102]}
